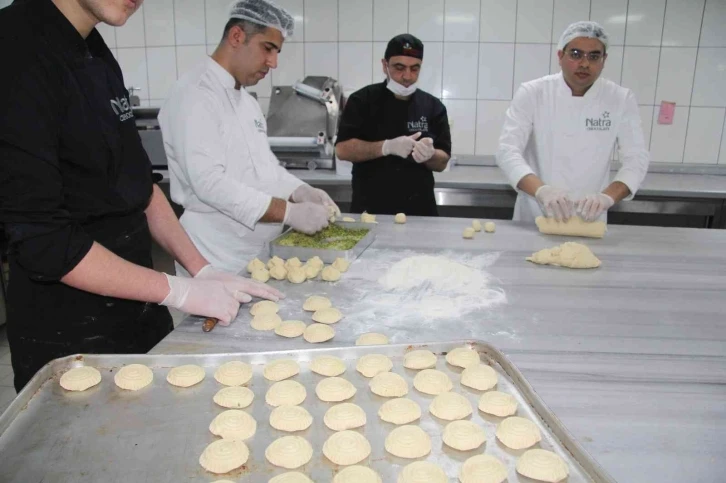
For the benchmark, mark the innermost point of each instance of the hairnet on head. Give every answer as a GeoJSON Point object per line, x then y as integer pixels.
{"type": "Point", "coordinates": [263, 12]}
{"type": "Point", "coordinates": [591, 30]}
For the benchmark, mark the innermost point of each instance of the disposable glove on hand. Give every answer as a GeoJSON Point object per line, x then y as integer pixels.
{"type": "Point", "coordinates": [555, 202]}
{"type": "Point", "coordinates": [400, 146]}
{"type": "Point", "coordinates": [305, 192]}
{"type": "Point", "coordinates": [423, 150]}
{"type": "Point", "coordinates": [308, 218]}
{"type": "Point", "coordinates": [592, 206]}
{"type": "Point", "coordinates": [240, 284]}
{"type": "Point", "coordinates": [208, 298]}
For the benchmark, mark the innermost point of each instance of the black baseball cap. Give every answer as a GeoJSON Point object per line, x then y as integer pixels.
{"type": "Point", "coordinates": [405, 44]}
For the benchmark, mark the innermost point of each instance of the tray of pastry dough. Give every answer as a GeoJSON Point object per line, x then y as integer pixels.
{"type": "Point", "coordinates": [387, 412]}
{"type": "Point", "coordinates": [327, 255]}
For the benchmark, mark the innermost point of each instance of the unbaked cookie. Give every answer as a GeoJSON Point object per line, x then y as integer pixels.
{"type": "Point", "coordinates": [133, 377]}
{"type": "Point", "coordinates": [80, 378]}
{"type": "Point", "coordinates": [346, 448]}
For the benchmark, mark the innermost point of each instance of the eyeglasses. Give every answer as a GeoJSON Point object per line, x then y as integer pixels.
{"type": "Point", "coordinates": [577, 55]}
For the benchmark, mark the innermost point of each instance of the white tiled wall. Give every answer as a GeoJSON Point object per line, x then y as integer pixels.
{"type": "Point", "coordinates": [477, 52]}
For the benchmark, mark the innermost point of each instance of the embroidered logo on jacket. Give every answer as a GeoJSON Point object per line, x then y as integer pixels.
{"type": "Point", "coordinates": [420, 125]}
{"type": "Point", "coordinates": [122, 108]}
{"type": "Point", "coordinates": [599, 124]}
{"type": "Point", "coordinates": [260, 126]}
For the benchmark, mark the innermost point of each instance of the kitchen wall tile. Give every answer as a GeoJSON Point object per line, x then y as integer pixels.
{"type": "Point", "coordinates": [133, 65]}
{"type": "Point", "coordinates": [390, 18]}
{"type": "Point", "coordinates": [489, 122]}
{"type": "Point", "coordinates": [640, 68]}
{"type": "Point", "coordinates": [296, 8]}
{"type": "Point", "coordinates": [722, 155]}
{"type": "Point", "coordinates": [211, 48]}
{"type": "Point", "coordinates": [497, 20]}
{"type": "Point", "coordinates": [682, 23]}
{"type": "Point", "coordinates": [131, 34]}
{"type": "Point", "coordinates": [675, 75]}
{"type": "Point", "coordinates": [668, 140]}
{"type": "Point", "coordinates": [713, 33]}
{"type": "Point", "coordinates": [496, 71]}
{"type": "Point", "coordinates": [703, 138]}
{"type": "Point", "coordinates": [426, 21]}
{"type": "Point", "coordinates": [321, 20]}
{"type": "Point", "coordinates": [461, 21]}
{"type": "Point", "coordinates": [534, 21]}
{"type": "Point", "coordinates": [290, 65]}
{"type": "Point", "coordinates": [159, 23]}
{"type": "Point", "coordinates": [432, 69]}
{"type": "Point", "coordinates": [216, 13]}
{"type": "Point", "coordinates": [646, 120]}
{"type": "Point", "coordinates": [710, 78]}
{"type": "Point", "coordinates": [462, 117]}
{"type": "Point", "coordinates": [161, 63]}
{"type": "Point", "coordinates": [355, 20]}
{"type": "Point", "coordinates": [645, 22]}
{"type": "Point", "coordinates": [612, 15]}
{"type": "Point", "coordinates": [379, 50]}
{"type": "Point", "coordinates": [355, 60]}
{"type": "Point", "coordinates": [567, 12]}
{"type": "Point", "coordinates": [189, 24]}
{"type": "Point", "coordinates": [188, 57]}
{"type": "Point", "coordinates": [321, 58]}
{"type": "Point", "coordinates": [531, 61]}
{"type": "Point", "coordinates": [108, 33]}
{"type": "Point", "coordinates": [460, 71]}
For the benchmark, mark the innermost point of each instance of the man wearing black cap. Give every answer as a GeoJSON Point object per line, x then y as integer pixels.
{"type": "Point", "coordinates": [395, 135]}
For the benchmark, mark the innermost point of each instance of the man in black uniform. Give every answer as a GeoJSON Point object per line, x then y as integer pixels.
{"type": "Point", "coordinates": [77, 201]}
{"type": "Point", "coordinates": [395, 135]}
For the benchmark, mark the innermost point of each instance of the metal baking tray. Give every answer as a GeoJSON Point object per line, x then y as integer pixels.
{"type": "Point", "coordinates": [328, 256]}
{"type": "Point", "coordinates": [157, 434]}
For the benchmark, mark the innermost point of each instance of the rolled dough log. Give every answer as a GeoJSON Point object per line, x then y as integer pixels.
{"type": "Point", "coordinates": [575, 226]}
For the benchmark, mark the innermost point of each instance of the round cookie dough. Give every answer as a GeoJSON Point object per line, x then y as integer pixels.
{"type": "Point", "coordinates": [261, 275]}
{"type": "Point", "coordinates": [399, 411]}
{"type": "Point", "coordinates": [367, 218]}
{"type": "Point", "coordinates": [316, 333]}
{"type": "Point", "coordinates": [265, 321]}
{"type": "Point", "coordinates": [235, 397]}
{"type": "Point", "coordinates": [490, 227]}
{"type": "Point", "coordinates": [431, 381]}
{"type": "Point", "coordinates": [476, 225]}
{"type": "Point", "coordinates": [275, 262]}
{"type": "Point", "coordinates": [291, 477]}
{"type": "Point", "coordinates": [344, 416]}
{"type": "Point", "coordinates": [293, 262]}
{"type": "Point", "coordinates": [450, 406]}
{"type": "Point", "coordinates": [327, 316]}
{"type": "Point", "coordinates": [278, 272]}
{"type": "Point", "coordinates": [463, 357]}
{"type": "Point", "coordinates": [408, 442]}
{"type": "Point", "coordinates": [233, 373]}
{"type": "Point", "coordinates": [329, 366]}
{"type": "Point", "coordinates": [542, 465]}
{"type": "Point", "coordinates": [372, 364]}
{"type": "Point", "coordinates": [498, 403]}
{"type": "Point", "coordinates": [133, 377]}
{"type": "Point", "coordinates": [185, 376]}
{"type": "Point", "coordinates": [518, 433]}
{"type": "Point", "coordinates": [316, 302]}
{"type": "Point", "coordinates": [463, 435]}
{"type": "Point", "coordinates": [290, 328]}
{"type": "Point", "coordinates": [334, 389]}
{"type": "Point", "coordinates": [483, 468]}
{"type": "Point", "coordinates": [341, 264]}
{"type": "Point", "coordinates": [419, 359]}
{"type": "Point", "coordinates": [479, 376]}
{"type": "Point", "coordinates": [400, 218]}
{"type": "Point", "coordinates": [422, 472]}
{"type": "Point", "coordinates": [296, 275]}
{"type": "Point", "coordinates": [223, 456]}
{"type": "Point", "coordinates": [233, 424]}
{"type": "Point", "coordinates": [289, 452]}
{"type": "Point", "coordinates": [315, 261]}
{"type": "Point", "coordinates": [290, 418]}
{"type": "Point", "coordinates": [468, 233]}
{"type": "Point", "coordinates": [346, 448]}
{"type": "Point", "coordinates": [80, 378]}
{"type": "Point", "coordinates": [388, 384]}
{"type": "Point", "coordinates": [357, 474]}
{"type": "Point", "coordinates": [280, 369]}
{"type": "Point", "coordinates": [264, 307]}
{"type": "Point", "coordinates": [255, 264]}
{"type": "Point", "coordinates": [311, 271]}
{"type": "Point", "coordinates": [286, 392]}
{"type": "Point", "coordinates": [331, 274]}
{"type": "Point", "coordinates": [371, 338]}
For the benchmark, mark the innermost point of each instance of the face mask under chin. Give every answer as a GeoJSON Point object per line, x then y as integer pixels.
{"type": "Point", "coordinates": [400, 89]}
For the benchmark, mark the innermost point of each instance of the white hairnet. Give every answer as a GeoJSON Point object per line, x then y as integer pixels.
{"type": "Point", "coordinates": [591, 30]}
{"type": "Point", "coordinates": [263, 12]}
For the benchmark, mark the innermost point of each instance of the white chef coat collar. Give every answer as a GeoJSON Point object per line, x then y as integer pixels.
{"type": "Point", "coordinates": [221, 73]}
{"type": "Point", "coordinates": [565, 90]}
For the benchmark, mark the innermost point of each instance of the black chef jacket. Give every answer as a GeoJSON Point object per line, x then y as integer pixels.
{"type": "Point", "coordinates": [72, 171]}
{"type": "Point", "coordinates": [391, 184]}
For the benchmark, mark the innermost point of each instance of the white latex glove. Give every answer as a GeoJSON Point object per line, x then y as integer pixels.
{"type": "Point", "coordinates": [400, 146]}
{"type": "Point", "coordinates": [208, 298]}
{"type": "Point", "coordinates": [555, 202]}
{"type": "Point", "coordinates": [423, 150]}
{"type": "Point", "coordinates": [240, 284]}
{"type": "Point", "coordinates": [305, 192]}
{"type": "Point", "coordinates": [308, 218]}
{"type": "Point", "coordinates": [592, 206]}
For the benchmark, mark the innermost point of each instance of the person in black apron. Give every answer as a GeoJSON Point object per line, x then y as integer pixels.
{"type": "Point", "coordinates": [77, 200]}
{"type": "Point", "coordinates": [395, 135]}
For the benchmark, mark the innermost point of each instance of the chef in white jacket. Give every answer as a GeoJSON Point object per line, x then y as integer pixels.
{"type": "Point", "coordinates": [222, 171]}
{"type": "Point", "coordinates": [560, 130]}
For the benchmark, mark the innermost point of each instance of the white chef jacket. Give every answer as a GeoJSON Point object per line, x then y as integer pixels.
{"type": "Point", "coordinates": [567, 141]}
{"type": "Point", "coordinates": [221, 168]}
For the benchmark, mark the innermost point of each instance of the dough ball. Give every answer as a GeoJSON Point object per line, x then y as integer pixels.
{"type": "Point", "coordinates": [518, 433]}
{"type": "Point", "coordinates": [422, 472]}
{"type": "Point", "coordinates": [293, 262]}
{"type": "Point", "coordinates": [346, 448]}
{"type": "Point", "coordinates": [315, 261]}
{"type": "Point", "coordinates": [498, 403]}
{"type": "Point", "coordinates": [80, 378]}
{"type": "Point", "coordinates": [331, 274]}
{"type": "Point", "coordinates": [330, 315]}
{"type": "Point", "coordinates": [468, 232]}
{"type": "Point", "coordinates": [476, 225]}
{"type": "Point", "coordinates": [316, 333]}
{"type": "Point", "coordinates": [489, 227]}
{"type": "Point", "coordinates": [542, 465]}
{"type": "Point", "coordinates": [233, 373]}
{"type": "Point", "coordinates": [265, 322]}
{"type": "Point", "coordinates": [463, 357]}
{"type": "Point", "coordinates": [480, 376]}
{"type": "Point", "coordinates": [278, 272]}
{"type": "Point", "coordinates": [315, 303]}
{"type": "Point", "coordinates": [133, 377]}
{"type": "Point", "coordinates": [408, 442]}
{"type": "Point", "coordinates": [255, 264]}
{"type": "Point", "coordinates": [463, 435]}
{"type": "Point", "coordinates": [450, 406]}
{"type": "Point", "coordinates": [275, 262]}
{"type": "Point", "coordinates": [569, 255]}
{"type": "Point", "coordinates": [291, 477]}
{"type": "Point", "coordinates": [264, 307]}
{"type": "Point", "coordinates": [400, 218]}
{"type": "Point", "coordinates": [311, 271]}
{"type": "Point", "coordinates": [483, 468]}
{"type": "Point", "coordinates": [291, 328]}
{"type": "Point", "coordinates": [261, 275]}
{"type": "Point", "coordinates": [371, 338]}
{"type": "Point", "coordinates": [290, 393]}
{"type": "Point", "coordinates": [296, 275]}
{"type": "Point", "coordinates": [290, 418]}
{"type": "Point", "coordinates": [367, 218]}
{"type": "Point", "coordinates": [341, 264]}
{"type": "Point", "coordinates": [223, 456]}
{"type": "Point", "coordinates": [185, 376]}
{"type": "Point", "coordinates": [399, 411]}
{"type": "Point", "coordinates": [388, 384]}
{"type": "Point", "coordinates": [357, 474]}
{"type": "Point", "coordinates": [289, 452]}
{"type": "Point", "coordinates": [419, 359]}
{"type": "Point", "coordinates": [280, 369]}
{"type": "Point", "coordinates": [329, 366]}
{"type": "Point", "coordinates": [344, 416]}
{"type": "Point", "coordinates": [348, 219]}
{"type": "Point", "coordinates": [233, 424]}
{"type": "Point", "coordinates": [334, 389]}
{"type": "Point", "coordinates": [372, 364]}
{"type": "Point", "coordinates": [235, 397]}
{"type": "Point", "coordinates": [431, 381]}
